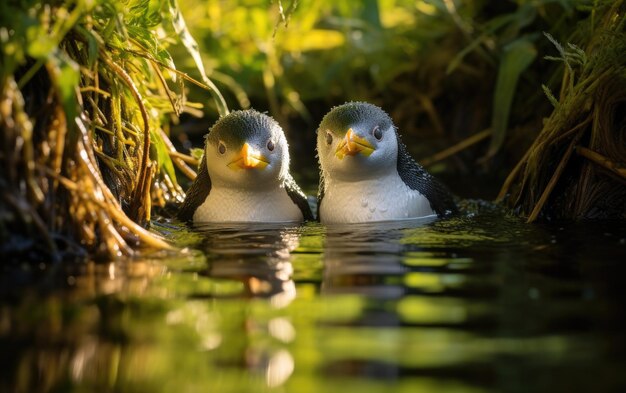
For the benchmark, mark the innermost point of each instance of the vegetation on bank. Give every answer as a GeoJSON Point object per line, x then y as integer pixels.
{"type": "Point", "coordinates": [88, 93]}
{"type": "Point", "coordinates": [576, 167]}
{"type": "Point", "coordinates": [445, 70]}
{"type": "Point", "coordinates": [474, 79]}
{"type": "Point", "coordinates": [91, 92]}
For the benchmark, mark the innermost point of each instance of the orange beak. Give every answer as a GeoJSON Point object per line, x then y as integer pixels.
{"type": "Point", "coordinates": [248, 158]}
{"type": "Point", "coordinates": [353, 144]}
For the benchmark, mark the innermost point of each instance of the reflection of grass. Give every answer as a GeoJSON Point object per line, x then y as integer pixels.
{"type": "Point", "coordinates": [430, 238]}
{"type": "Point", "coordinates": [127, 343]}
{"type": "Point", "coordinates": [141, 326]}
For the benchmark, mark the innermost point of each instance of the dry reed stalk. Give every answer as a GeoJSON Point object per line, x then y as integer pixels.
{"type": "Point", "coordinates": [550, 182]}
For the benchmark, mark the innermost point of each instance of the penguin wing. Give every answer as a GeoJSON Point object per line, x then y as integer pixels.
{"type": "Point", "coordinates": [197, 193]}
{"type": "Point", "coordinates": [417, 178]}
{"type": "Point", "coordinates": [320, 194]}
{"type": "Point", "coordinates": [298, 197]}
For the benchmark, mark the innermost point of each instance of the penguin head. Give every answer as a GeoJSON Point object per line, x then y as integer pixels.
{"type": "Point", "coordinates": [357, 141]}
{"type": "Point", "coordinates": [247, 149]}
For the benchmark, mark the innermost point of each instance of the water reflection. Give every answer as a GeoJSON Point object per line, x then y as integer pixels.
{"type": "Point", "coordinates": [258, 256]}
{"type": "Point", "coordinates": [475, 303]}
{"type": "Point", "coordinates": [374, 263]}
{"type": "Point", "coordinates": [455, 300]}
{"type": "Point", "coordinates": [67, 325]}
{"type": "Point", "coordinates": [366, 259]}
{"type": "Point", "coordinates": [392, 260]}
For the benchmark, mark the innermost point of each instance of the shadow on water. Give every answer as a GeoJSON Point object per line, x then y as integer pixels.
{"type": "Point", "coordinates": [475, 303]}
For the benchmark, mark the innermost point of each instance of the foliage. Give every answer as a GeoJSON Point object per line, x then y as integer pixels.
{"type": "Point", "coordinates": [418, 59]}
{"type": "Point", "coordinates": [587, 120]}
{"type": "Point", "coordinates": [445, 69]}
{"type": "Point", "coordinates": [88, 89]}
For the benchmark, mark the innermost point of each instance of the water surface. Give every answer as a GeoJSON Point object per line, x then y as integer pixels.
{"type": "Point", "coordinates": [477, 303]}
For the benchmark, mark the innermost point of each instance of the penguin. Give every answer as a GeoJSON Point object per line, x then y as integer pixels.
{"type": "Point", "coordinates": [367, 174]}
{"type": "Point", "coordinates": [244, 175]}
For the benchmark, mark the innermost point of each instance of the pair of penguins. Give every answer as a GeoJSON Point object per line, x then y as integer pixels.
{"type": "Point", "coordinates": [366, 173]}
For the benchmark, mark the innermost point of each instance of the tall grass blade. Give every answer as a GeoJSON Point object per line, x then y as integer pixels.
{"type": "Point", "coordinates": [192, 47]}
{"type": "Point", "coordinates": [517, 56]}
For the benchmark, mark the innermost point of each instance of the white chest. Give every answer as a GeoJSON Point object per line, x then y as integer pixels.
{"type": "Point", "coordinates": [381, 199]}
{"type": "Point", "coordinates": [234, 205]}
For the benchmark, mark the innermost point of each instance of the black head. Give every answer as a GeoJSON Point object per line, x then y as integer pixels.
{"type": "Point", "coordinates": [246, 149]}
{"type": "Point", "coordinates": [356, 140]}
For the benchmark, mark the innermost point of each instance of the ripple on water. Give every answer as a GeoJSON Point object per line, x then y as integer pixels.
{"type": "Point", "coordinates": [477, 302]}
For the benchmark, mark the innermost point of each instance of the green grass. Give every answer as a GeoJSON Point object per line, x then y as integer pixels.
{"type": "Point", "coordinates": [89, 90]}
{"type": "Point", "coordinates": [417, 59]}
{"type": "Point", "coordinates": [575, 168]}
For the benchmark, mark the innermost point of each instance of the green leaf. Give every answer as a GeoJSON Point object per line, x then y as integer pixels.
{"type": "Point", "coordinates": [196, 153]}
{"type": "Point", "coordinates": [40, 45]}
{"type": "Point", "coordinates": [314, 39]}
{"type": "Point", "coordinates": [93, 44]}
{"type": "Point", "coordinates": [192, 47]}
{"type": "Point", "coordinates": [65, 75]}
{"type": "Point", "coordinates": [161, 153]}
{"type": "Point", "coordinates": [517, 56]}
{"type": "Point", "coordinates": [550, 96]}
{"type": "Point", "coordinates": [139, 12]}
{"type": "Point", "coordinates": [371, 13]}
{"type": "Point", "coordinates": [489, 29]}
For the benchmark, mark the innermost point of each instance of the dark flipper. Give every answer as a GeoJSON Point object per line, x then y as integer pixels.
{"type": "Point", "coordinates": [320, 195]}
{"type": "Point", "coordinates": [298, 197]}
{"type": "Point", "coordinates": [416, 177]}
{"type": "Point", "coordinates": [197, 193]}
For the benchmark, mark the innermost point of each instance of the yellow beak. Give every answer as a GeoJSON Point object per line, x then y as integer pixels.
{"type": "Point", "coordinates": [248, 158]}
{"type": "Point", "coordinates": [353, 144]}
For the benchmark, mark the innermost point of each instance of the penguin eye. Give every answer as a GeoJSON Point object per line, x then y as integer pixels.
{"type": "Point", "coordinates": [378, 133]}
{"type": "Point", "coordinates": [329, 138]}
{"type": "Point", "coordinates": [221, 148]}
{"type": "Point", "coordinates": [270, 145]}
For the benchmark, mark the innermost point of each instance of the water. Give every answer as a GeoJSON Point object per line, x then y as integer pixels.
{"type": "Point", "coordinates": [476, 303]}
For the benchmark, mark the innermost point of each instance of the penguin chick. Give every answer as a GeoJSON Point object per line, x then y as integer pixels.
{"type": "Point", "coordinates": [244, 175]}
{"type": "Point", "coordinates": [367, 174]}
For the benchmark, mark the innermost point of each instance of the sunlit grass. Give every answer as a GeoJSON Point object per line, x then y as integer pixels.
{"type": "Point", "coordinates": [89, 91]}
